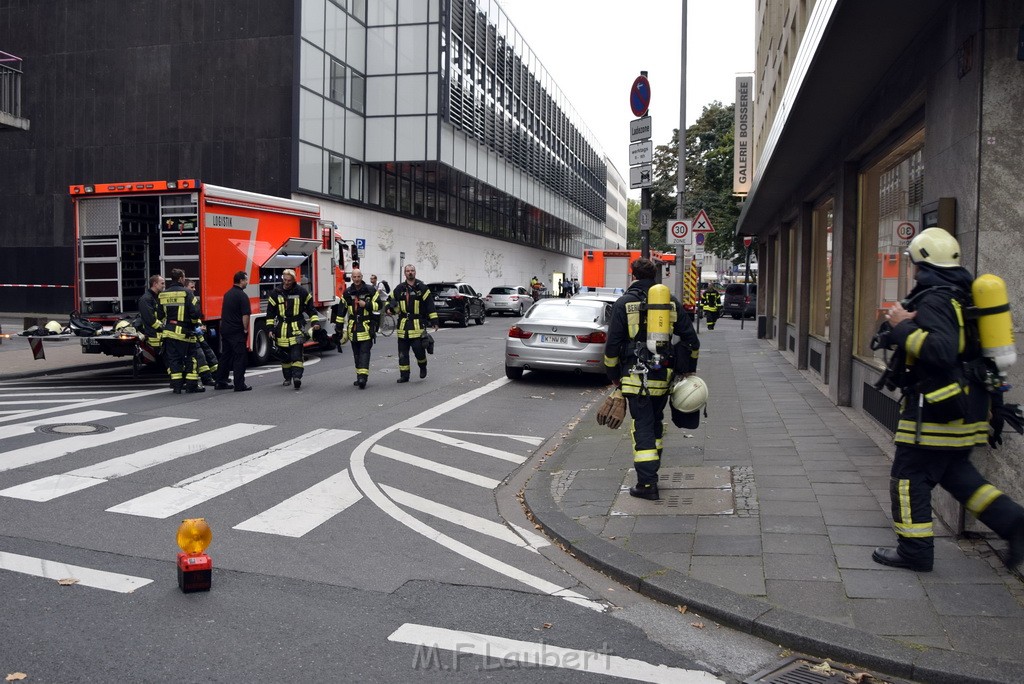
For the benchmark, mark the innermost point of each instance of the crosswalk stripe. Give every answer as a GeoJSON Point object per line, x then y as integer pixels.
{"type": "Point", "coordinates": [62, 447]}
{"type": "Point", "coordinates": [439, 468]}
{"type": "Point", "coordinates": [66, 394]}
{"type": "Point", "coordinates": [469, 446]}
{"type": "Point", "coordinates": [457, 517]}
{"type": "Point", "coordinates": [29, 426]}
{"type": "Point", "coordinates": [527, 653]}
{"type": "Point", "coordinates": [55, 570]}
{"type": "Point", "coordinates": [529, 439]}
{"type": "Point", "coordinates": [54, 486]}
{"type": "Point", "coordinates": [307, 510]}
{"type": "Point", "coordinates": [39, 401]}
{"type": "Point", "coordinates": [183, 495]}
{"type": "Point", "coordinates": [84, 404]}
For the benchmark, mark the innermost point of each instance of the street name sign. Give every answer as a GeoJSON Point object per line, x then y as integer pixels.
{"type": "Point", "coordinates": [641, 153]}
{"type": "Point", "coordinates": [641, 176]}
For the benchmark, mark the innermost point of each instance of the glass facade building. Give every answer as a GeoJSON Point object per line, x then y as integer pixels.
{"type": "Point", "coordinates": [437, 110]}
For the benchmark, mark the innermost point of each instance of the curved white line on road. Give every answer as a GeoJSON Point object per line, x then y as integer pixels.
{"type": "Point", "coordinates": [370, 489]}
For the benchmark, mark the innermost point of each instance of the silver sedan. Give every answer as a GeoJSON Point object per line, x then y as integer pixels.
{"type": "Point", "coordinates": [559, 335]}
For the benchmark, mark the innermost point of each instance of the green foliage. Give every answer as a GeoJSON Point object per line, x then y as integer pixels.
{"type": "Point", "coordinates": [708, 181]}
{"type": "Point", "coordinates": [632, 224]}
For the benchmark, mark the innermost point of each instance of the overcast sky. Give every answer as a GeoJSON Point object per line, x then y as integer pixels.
{"type": "Point", "coordinates": [595, 48]}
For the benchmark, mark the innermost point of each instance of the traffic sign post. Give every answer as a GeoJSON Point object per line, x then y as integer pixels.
{"type": "Point", "coordinates": [641, 174]}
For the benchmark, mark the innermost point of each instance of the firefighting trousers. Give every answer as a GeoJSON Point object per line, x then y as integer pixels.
{"type": "Point", "coordinates": [646, 429]}
{"type": "Point", "coordinates": [178, 357]}
{"type": "Point", "coordinates": [404, 344]}
{"type": "Point", "coordinates": [915, 472]}
{"type": "Point", "coordinates": [292, 368]}
{"type": "Point", "coordinates": [361, 356]}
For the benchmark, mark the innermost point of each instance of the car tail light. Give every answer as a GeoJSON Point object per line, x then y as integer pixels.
{"type": "Point", "coordinates": [457, 297]}
{"type": "Point", "coordinates": [513, 298]}
{"type": "Point", "coordinates": [746, 300]}
{"type": "Point", "coordinates": [488, 298]}
{"type": "Point", "coordinates": [518, 333]}
{"type": "Point", "coordinates": [593, 338]}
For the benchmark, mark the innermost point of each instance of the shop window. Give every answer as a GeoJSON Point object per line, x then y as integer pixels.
{"type": "Point", "coordinates": [821, 269]}
{"type": "Point", "coordinates": [891, 194]}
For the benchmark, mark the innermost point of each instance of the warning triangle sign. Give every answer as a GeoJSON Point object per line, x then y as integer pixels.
{"type": "Point", "coordinates": [701, 223]}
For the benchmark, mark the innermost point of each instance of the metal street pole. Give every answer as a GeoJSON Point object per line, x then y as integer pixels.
{"type": "Point", "coordinates": [681, 173]}
{"type": "Point", "coordinates": [645, 208]}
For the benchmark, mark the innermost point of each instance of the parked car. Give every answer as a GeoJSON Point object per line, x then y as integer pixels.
{"type": "Point", "coordinates": [560, 335]}
{"type": "Point", "coordinates": [457, 302]}
{"type": "Point", "coordinates": [740, 300]}
{"type": "Point", "coordinates": [513, 299]}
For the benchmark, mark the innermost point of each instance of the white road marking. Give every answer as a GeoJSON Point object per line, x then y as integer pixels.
{"type": "Point", "coordinates": [29, 426]}
{"type": "Point", "coordinates": [357, 463]}
{"type": "Point", "coordinates": [54, 486]}
{"type": "Point", "coordinates": [535, 441]}
{"type": "Point", "coordinates": [35, 401]}
{"type": "Point", "coordinates": [528, 653]}
{"type": "Point", "coordinates": [55, 570]}
{"type": "Point", "coordinates": [200, 488]}
{"type": "Point", "coordinates": [67, 393]}
{"type": "Point", "coordinates": [307, 510]}
{"type": "Point", "coordinates": [87, 403]}
{"type": "Point", "coordinates": [532, 539]}
{"type": "Point", "coordinates": [457, 517]}
{"type": "Point", "coordinates": [469, 446]}
{"type": "Point", "coordinates": [439, 468]}
{"type": "Point", "coordinates": [38, 453]}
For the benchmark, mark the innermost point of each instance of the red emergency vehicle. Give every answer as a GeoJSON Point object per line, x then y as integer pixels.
{"type": "Point", "coordinates": [126, 232]}
{"type": "Point", "coordinates": [611, 267]}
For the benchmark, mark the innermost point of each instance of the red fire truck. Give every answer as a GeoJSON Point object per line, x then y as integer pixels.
{"type": "Point", "coordinates": [610, 267]}
{"type": "Point", "coordinates": [126, 232]}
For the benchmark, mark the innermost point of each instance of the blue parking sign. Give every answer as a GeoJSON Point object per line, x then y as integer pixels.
{"type": "Point", "coordinates": [360, 244]}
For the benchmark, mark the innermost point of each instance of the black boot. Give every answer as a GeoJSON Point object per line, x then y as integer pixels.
{"type": "Point", "coordinates": [891, 557]}
{"type": "Point", "coordinates": [176, 386]}
{"type": "Point", "coordinates": [358, 380]}
{"type": "Point", "coordinates": [423, 371]}
{"type": "Point", "coordinates": [404, 377]}
{"type": "Point", "coordinates": [287, 382]}
{"type": "Point", "coordinates": [646, 491]}
{"type": "Point", "coordinates": [362, 382]}
{"type": "Point", "coordinates": [297, 383]}
{"type": "Point", "coordinates": [1015, 554]}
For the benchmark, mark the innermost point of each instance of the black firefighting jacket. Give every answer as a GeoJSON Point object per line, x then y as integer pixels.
{"type": "Point", "coordinates": [181, 314]}
{"type": "Point", "coordinates": [945, 400]}
{"type": "Point", "coordinates": [152, 314]}
{"type": "Point", "coordinates": [362, 304]}
{"type": "Point", "coordinates": [627, 343]}
{"type": "Point", "coordinates": [287, 309]}
{"type": "Point", "coordinates": [415, 307]}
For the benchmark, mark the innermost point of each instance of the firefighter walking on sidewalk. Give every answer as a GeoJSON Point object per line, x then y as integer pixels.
{"type": "Point", "coordinates": [287, 309]}
{"type": "Point", "coordinates": [644, 371]}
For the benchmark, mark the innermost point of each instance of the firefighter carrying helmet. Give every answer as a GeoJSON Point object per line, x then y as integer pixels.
{"type": "Point", "coordinates": [688, 397]}
{"type": "Point", "coordinates": [935, 246]}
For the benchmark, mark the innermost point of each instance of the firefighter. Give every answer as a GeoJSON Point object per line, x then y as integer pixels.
{"type": "Point", "coordinates": [415, 307]}
{"type": "Point", "coordinates": [152, 313]}
{"type": "Point", "coordinates": [204, 360]}
{"type": "Point", "coordinates": [711, 303]}
{"type": "Point", "coordinates": [287, 308]}
{"type": "Point", "coordinates": [362, 304]}
{"type": "Point", "coordinates": [944, 411]}
{"type": "Point", "coordinates": [182, 317]}
{"type": "Point", "coordinates": [645, 375]}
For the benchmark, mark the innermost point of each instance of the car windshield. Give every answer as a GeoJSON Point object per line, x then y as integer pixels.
{"type": "Point", "coordinates": [503, 290]}
{"type": "Point", "coordinates": [567, 310]}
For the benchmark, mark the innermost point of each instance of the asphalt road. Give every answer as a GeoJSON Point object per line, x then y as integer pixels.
{"type": "Point", "coordinates": [358, 535]}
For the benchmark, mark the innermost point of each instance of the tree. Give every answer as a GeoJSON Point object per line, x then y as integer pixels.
{"type": "Point", "coordinates": [709, 150]}
{"type": "Point", "coordinates": [632, 224]}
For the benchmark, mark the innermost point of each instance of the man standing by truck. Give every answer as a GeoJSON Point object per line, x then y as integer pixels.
{"type": "Point", "coordinates": [178, 336]}
{"type": "Point", "coordinates": [287, 309]}
{"type": "Point", "coordinates": [234, 331]}
{"type": "Point", "coordinates": [152, 312]}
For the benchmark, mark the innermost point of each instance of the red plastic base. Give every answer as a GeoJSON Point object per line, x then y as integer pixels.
{"type": "Point", "coordinates": [195, 572]}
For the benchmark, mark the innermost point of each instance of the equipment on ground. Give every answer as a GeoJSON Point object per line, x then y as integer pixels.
{"type": "Point", "coordinates": [54, 328]}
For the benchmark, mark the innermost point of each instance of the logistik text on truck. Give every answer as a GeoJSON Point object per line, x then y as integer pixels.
{"type": "Point", "coordinates": [126, 232]}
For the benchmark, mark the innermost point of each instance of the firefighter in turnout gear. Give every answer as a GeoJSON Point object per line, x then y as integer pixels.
{"type": "Point", "coordinates": [415, 308]}
{"type": "Point", "coordinates": [945, 407]}
{"type": "Point", "coordinates": [203, 357]}
{"type": "Point", "coordinates": [181, 319]}
{"type": "Point", "coordinates": [645, 374]}
{"type": "Point", "coordinates": [152, 313]}
{"type": "Point", "coordinates": [711, 303]}
{"type": "Point", "coordinates": [362, 305]}
{"type": "Point", "coordinates": [287, 308]}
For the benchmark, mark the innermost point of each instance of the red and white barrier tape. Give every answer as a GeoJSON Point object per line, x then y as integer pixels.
{"type": "Point", "coordinates": [21, 285]}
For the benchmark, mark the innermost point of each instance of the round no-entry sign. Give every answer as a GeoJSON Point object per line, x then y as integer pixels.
{"type": "Point", "coordinates": [640, 96]}
{"type": "Point", "coordinates": [748, 240]}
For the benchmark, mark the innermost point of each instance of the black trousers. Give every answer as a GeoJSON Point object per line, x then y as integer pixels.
{"type": "Point", "coordinates": [361, 356]}
{"type": "Point", "coordinates": [916, 471]}
{"type": "Point", "coordinates": [232, 358]}
{"type": "Point", "coordinates": [404, 344]}
{"type": "Point", "coordinates": [648, 414]}
{"type": "Point", "coordinates": [177, 354]}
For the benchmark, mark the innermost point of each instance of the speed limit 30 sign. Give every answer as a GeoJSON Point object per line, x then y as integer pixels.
{"type": "Point", "coordinates": [678, 232]}
{"type": "Point", "coordinates": [904, 230]}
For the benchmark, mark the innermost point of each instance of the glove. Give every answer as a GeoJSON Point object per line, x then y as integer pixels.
{"type": "Point", "coordinates": [1001, 415]}
{"type": "Point", "coordinates": [272, 335]}
{"type": "Point", "coordinates": [612, 411]}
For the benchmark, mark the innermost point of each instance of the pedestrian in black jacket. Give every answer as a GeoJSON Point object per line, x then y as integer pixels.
{"type": "Point", "coordinates": [234, 334]}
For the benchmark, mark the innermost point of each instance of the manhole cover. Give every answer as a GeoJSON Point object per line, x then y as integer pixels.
{"type": "Point", "coordinates": [677, 502]}
{"type": "Point", "coordinates": [72, 429]}
{"type": "Point", "coordinates": [802, 670]}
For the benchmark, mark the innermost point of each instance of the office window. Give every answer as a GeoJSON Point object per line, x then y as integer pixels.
{"type": "Point", "coordinates": [358, 93]}
{"type": "Point", "coordinates": [337, 81]}
{"type": "Point", "coordinates": [335, 176]}
{"type": "Point", "coordinates": [355, 182]}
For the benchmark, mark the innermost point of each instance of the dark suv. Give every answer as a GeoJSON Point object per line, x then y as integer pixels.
{"type": "Point", "coordinates": [739, 300]}
{"type": "Point", "coordinates": [457, 302]}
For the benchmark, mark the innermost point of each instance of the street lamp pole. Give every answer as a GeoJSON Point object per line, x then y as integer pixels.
{"type": "Point", "coordinates": [681, 173]}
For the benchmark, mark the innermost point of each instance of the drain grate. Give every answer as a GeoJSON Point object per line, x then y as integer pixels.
{"type": "Point", "coordinates": [72, 429]}
{"type": "Point", "coordinates": [803, 670]}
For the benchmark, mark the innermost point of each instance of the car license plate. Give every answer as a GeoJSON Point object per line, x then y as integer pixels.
{"type": "Point", "coordinates": [554, 339]}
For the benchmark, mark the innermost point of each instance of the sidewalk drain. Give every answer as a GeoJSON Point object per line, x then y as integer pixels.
{"type": "Point", "coordinates": [72, 429]}
{"type": "Point", "coordinates": [803, 670]}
